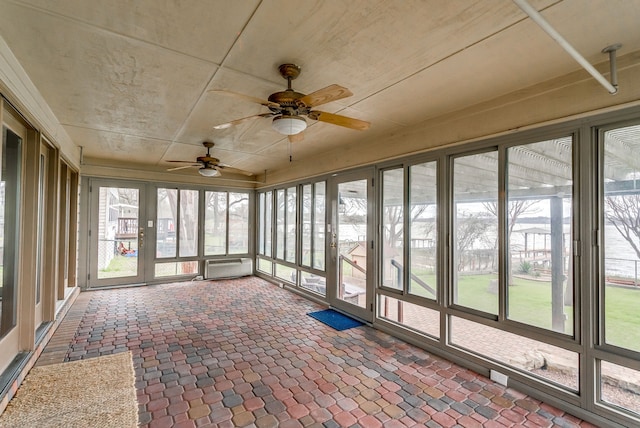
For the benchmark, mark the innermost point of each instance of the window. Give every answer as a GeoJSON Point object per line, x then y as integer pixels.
{"type": "Point", "coordinates": [620, 285]}
{"type": "Point", "coordinates": [215, 223]}
{"type": "Point", "coordinates": [541, 359]}
{"type": "Point", "coordinates": [262, 215]}
{"type": "Point", "coordinates": [267, 231]}
{"type": "Point", "coordinates": [281, 221]}
{"type": "Point", "coordinates": [188, 223]}
{"type": "Point", "coordinates": [296, 214]}
{"type": "Point", "coordinates": [307, 224]}
{"type": "Point", "coordinates": [423, 231]}
{"type": "Point", "coordinates": [312, 225]}
{"type": "Point", "coordinates": [176, 268]}
{"type": "Point", "coordinates": [619, 387]}
{"type": "Point", "coordinates": [475, 232]}
{"type": "Point", "coordinates": [286, 212]}
{"type": "Point", "coordinates": [319, 220]}
{"type": "Point", "coordinates": [226, 220]}
{"type": "Point", "coordinates": [415, 317]}
{"type": "Point", "coordinates": [167, 213]}
{"type": "Point", "coordinates": [238, 223]}
{"type": "Point", "coordinates": [539, 219]}
{"type": "Point", "coordinates": [177, 219]}
{"type": "Point", "coordinates": [393, 228]}
{"type": "Point", "coordinates": [619, 282]}
{"type": "Point", "coordinates": [292, 208]}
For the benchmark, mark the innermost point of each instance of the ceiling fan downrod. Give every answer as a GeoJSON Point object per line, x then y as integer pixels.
{"type": "Point", "coordinates": [289, 72]}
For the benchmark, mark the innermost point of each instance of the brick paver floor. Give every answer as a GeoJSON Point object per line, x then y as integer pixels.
{"type": "Point", "coordinates": [244, 353]}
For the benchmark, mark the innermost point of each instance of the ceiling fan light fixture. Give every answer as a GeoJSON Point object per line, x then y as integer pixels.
{"type": "Point", "coordinates": [289, 125]}
{"type": "Point", "coordinates": [208, 172]}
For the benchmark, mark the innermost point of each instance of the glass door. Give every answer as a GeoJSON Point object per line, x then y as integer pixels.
{"type": "Point", "coordinates": [117, 233]}
{"type": "Point", "coordinates": [351, 244]}
{"type": "Point", "coordinates": [14, 135]}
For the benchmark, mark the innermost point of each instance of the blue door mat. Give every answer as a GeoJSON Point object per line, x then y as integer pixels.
{"type": "Point", "coordinates": [335, 319]}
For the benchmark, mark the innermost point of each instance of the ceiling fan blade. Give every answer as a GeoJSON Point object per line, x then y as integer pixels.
{"type": "Point", "coordinates": [336, 119]}
{"type": "Point", "coordinates": [325, 95]}
{"type": "Point", "coordinates": [238, 121]}
{"type": "Point", "coordinates": [249, 98]}
{"type": "Point", "coordinates": [181, 167]}
{"type": "Point", "coordinates": [296, 138]}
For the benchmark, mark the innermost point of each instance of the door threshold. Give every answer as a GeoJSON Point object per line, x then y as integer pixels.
{"type": "Point", "coordinates": [350, 315]}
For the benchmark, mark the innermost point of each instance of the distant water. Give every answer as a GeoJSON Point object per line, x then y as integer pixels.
{"type": "Point", "coordinates": [620, 256]}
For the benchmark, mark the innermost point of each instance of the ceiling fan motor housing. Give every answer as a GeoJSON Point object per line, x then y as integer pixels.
{"type": "Point", "coordinates": [289, 103]}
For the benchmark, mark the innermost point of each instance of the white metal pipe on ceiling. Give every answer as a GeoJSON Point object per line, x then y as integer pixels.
{"type": "Point", "coordinates": [538, 19]}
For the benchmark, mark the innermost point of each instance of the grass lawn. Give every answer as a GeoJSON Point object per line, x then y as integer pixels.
{"type": "Point", "coordinates": [622, 319]}
{"type": "Point", "coordinates": [530, 303]}
{"type": "Point", "coordinates": [120, 266]}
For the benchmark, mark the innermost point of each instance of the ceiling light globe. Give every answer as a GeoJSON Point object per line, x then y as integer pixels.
{"type": "Point", "coordinates": [289, 125]}
{"type": "Point", "coordinates": [208, 172]}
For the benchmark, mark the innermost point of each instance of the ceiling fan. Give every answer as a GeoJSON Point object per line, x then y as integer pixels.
{"type": "Point", "coordinates": [288, 107]}
{"type": "Point", "coordinates": [208, 166]}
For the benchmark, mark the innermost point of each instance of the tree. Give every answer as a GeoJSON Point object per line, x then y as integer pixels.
{"type": "Point", "coordinates": [623, 211]}
{"type": "Point", "coordinates": [188, 217]}
{"type": "Point", "coordinates": [470, 227]}
{"type": "Point", "coordinates": [515, 210]}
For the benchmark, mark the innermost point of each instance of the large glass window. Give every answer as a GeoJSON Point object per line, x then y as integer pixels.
{"type": "Point", "coordinates": [312, 227]}
{"type": "Point", "coordinates": [268, 213]}
{"type": "Point", "coordinates": [226, 220]}
{"type": "Point", "coordinates": [392, 228]}
{"type": "Point", "coordinates": [167, 212]}
{"type": "Point", "coordinates": [281, 221]}
{"type": "Point", "coordinates": [319, 208]}
{"type": "Point", "coordinates": [423, 232]}
{"type": "Point", "coordinates": [177, 220]}
{"type": "Point", "coordinates": [306, 224]}
{"type": "Point", "coordinates": [188, 223]}
{"type": "Point", "coordinates": [238, 223]}
{"type": "Point", "coordinates": [261, 223]}
{"type": "Point", "coordinates": [215, 223]}
{"type": "Point", "coordinates": [538, 219]}
{"type": "Point", "coordinates": [286, 212]}
{"type": "Point", "coordinates": [292, 208]}
{"type": "Point", "coordinates": [475, 232]}
{"type": "Point", "coordinates": [621, 231]}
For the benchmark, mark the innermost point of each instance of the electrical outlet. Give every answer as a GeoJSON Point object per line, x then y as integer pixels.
{"type": "Point", "coordinates": [500, 378]}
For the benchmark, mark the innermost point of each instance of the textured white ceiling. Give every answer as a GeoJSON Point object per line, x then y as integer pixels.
{"type": "Point", "coordinates": [129, 80]}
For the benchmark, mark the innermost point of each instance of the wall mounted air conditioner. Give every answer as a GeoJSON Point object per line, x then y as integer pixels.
{"type": "Point", "coordinates": [228, 268]}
